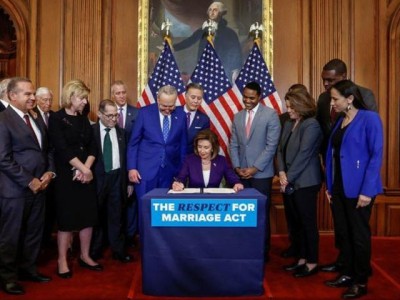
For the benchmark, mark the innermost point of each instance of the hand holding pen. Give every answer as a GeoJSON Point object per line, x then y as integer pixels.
{"type": "Point", "coordinates": [178, 185]}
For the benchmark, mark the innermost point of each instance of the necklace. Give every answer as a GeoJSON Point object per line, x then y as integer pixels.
{"type": "Point", "coordinates": [205, 163]}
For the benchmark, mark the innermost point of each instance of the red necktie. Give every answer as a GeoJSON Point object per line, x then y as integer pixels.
{"type": "Point", "coordinates": [28, 122]}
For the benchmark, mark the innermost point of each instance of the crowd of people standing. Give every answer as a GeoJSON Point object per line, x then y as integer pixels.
{"type": "Point", "coordinates": [96, 174]}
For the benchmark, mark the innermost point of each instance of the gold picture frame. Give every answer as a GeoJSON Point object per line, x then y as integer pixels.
{"type": "Point", "coordinates": [144, 33]}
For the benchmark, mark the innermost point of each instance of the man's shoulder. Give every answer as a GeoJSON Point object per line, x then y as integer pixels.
{"type": "Point", "coordinates": [202, 115]}
{"type": "Point", "coordinates": [130, 107]}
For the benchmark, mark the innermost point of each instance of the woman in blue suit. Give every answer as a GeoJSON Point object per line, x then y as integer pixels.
{"type": "Point", "coordinates": [353, 164]}
{"type": "Point", "coordinates": [205, 168]}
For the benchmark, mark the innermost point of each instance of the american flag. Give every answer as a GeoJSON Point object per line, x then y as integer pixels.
{"type": "Point", "coordinates": [220, 103]}
{"type": "Point", "coordinates": [166, 72]}
{"type": "Point", "coordinates": [255, 69]}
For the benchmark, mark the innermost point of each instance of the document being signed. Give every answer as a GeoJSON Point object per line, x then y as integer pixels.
{"type": "Point", "coordinates": [204, 190]}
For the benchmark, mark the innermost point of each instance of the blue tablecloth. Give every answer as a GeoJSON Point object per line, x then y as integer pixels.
{"type": "Point", "coordinates": [202, 261]}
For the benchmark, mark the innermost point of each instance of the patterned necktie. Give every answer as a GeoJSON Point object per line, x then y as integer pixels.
{"type": "Point", "coordinates": [249, 121]}
{"type": "Point", "coordinates": [28, 122]}
{"type": "Point", "coordinates": [165, 128]}
{"type": "Point", "coordinates": [121, 118]}
{"type": "Point", "coordinates": [188, 119]}
{"type": "Point", "coordinates": [46, 119]}
{"type": "Point", "coordinates": [107, 151]}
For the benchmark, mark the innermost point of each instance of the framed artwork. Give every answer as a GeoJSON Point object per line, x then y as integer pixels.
{"type": "Point", "coordinates": [232, 40]}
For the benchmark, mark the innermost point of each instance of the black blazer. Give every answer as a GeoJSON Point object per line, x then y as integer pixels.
{"type": "Point", "coordinates": [2, 107]}
{"type": "Point", "coordinates": [21, 158]}
{"type": "Point", "coordinates": [99, 162]}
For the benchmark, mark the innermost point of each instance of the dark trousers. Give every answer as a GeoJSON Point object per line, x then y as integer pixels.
{"type": "Point", "coordinates": [264, 186]}
{"type": "Point", "coordinates": [352, 225]}
{"type": "Point", "coordinates": [163, 179]}
{"type": "Point", "coordinates": [110, 216]}
{"type": "Point", "coordinates": [304, 204]}
{"type": "Point", "coordinates": [292, 221]}
{"type": "Point", "coordinates": [21, 230]}
{"type": "Point", "coordinates": [50, 215]}
{"type": "Point", "coordinates": [338, 238]}
{"type": "Point", "coordinates": [132, 216]}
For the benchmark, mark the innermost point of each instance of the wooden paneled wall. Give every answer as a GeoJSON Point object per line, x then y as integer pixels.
{"type": "Point", "coordinates": [96, 40]}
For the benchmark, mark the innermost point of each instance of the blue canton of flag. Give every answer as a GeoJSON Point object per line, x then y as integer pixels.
{"type": "Point", "coordinates": [255, 69]}
{"type": "Point", "coordinates": [220, 102]}
{"type": "Point", "coordinates": [166, 72]}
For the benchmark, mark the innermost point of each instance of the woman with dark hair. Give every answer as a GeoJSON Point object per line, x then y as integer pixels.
{"type": "Point", "coordinates": [206, 168]}
{"type": "Point", "coordinates": [300, 178]}
{"type": "Point", "coordinates": [353, 163]}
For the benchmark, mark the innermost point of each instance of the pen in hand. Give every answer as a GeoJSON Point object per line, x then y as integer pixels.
{"type": "Point", "coordinates": [178, 185]}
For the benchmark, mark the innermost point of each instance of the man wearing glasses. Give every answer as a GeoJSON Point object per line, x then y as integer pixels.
{"type": "Point", "coordinates": [111, 182]}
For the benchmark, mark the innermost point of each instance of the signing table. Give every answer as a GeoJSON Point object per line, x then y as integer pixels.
{"type": "Point", "coordinates": [202, 244]}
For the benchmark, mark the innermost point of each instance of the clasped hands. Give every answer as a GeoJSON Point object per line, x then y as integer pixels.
{"type": "Point", "coordinates": [84, 176]}
{"type": "Point", "coordinates": [37, 185]}
{"type": "Point", "coordinates": [246, 173]}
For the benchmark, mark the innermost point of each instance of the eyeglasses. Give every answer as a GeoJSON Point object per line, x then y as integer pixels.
{"type": "Point", "coordinates": [111, 116]}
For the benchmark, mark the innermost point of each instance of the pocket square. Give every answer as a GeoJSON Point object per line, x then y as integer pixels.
{"type": "Point", "coordinates": [197, 127]}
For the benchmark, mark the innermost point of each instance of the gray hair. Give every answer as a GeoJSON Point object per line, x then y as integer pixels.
{"type": "Point", "coordinates": [168, 90]}
{"type": "Point", "coordinates": [43, 90]}
{"type": "Point", "coordinates": [221, 6]}
{"type": "Point", "coordinates": [3, 88]}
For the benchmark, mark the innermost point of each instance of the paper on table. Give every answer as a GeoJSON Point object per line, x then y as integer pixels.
{"type": "Point", "coordinates": [185, 191]}
{"type": "Point", "coordinates": [205, 191]}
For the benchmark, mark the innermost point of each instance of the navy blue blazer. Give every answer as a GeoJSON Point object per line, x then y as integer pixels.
{"type": "Point", "coordinates": [147, 147]}
{"type": "Point", "coordinates": [360, 156]}
{"type": "Point", "coordinates": [201, 121]}
{"type": "Point", "coordinates": [192, 171]}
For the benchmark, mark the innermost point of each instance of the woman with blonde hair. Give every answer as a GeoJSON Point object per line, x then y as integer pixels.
{"type": "Point", "coordinates": [75, 194]}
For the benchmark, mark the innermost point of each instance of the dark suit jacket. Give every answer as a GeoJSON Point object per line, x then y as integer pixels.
{"type": "Point", "coordinates": [21, 158]}
{"type": "Point", "coordinates": [201, 121]}
{"type": "Point", "coordinates": [131, 114]}
{"type": "Point", "coordinates": [302, 164]}
{"type": "Point", "coordinates": [192, 171]}
{"type": "Point", "coordinates": [39, 116]}
{"type": "Point", "coordinates": [99, 162]}
{"type": "Point", "coordinates": [2, 107]}
{"type": "Point", "coordinates": [324, 112]}
{"type": "Point", "coordinates": [361, 154]}
{"type": "Point", "coordinates": [147, 147]}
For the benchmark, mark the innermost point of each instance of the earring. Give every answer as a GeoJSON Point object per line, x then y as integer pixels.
{"type": "Point", "coordinates": [348, 107]}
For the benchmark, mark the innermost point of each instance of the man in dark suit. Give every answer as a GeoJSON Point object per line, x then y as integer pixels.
{"type": "Point", "coordinates": [196, 121]}
{"type": "Point", "coordinates": [157, 146]}
{"type": "Point", "coordinates": [334, 71]}
{"type": "Point", "coordinates": [126, 120]}
{"type": "Point", "coordinates": [3, 94]}
{"type": "Point", "coordinates": [255, 136]}
{"type": "Point", "coordinates": [111, 182]}
{"type": "Point", "coordinates": [44, 100]}
{"type": "Point", "coordinates": [26, 169]}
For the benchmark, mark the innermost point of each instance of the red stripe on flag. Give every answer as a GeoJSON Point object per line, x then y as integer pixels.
{"type": "Point", "coordinates": [274, 103]}
{"type": "Point", "coordinates": [235, 99]}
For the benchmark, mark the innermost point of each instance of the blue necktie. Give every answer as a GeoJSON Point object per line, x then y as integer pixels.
{"type": "Point", "coordinates": [165, 128]}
